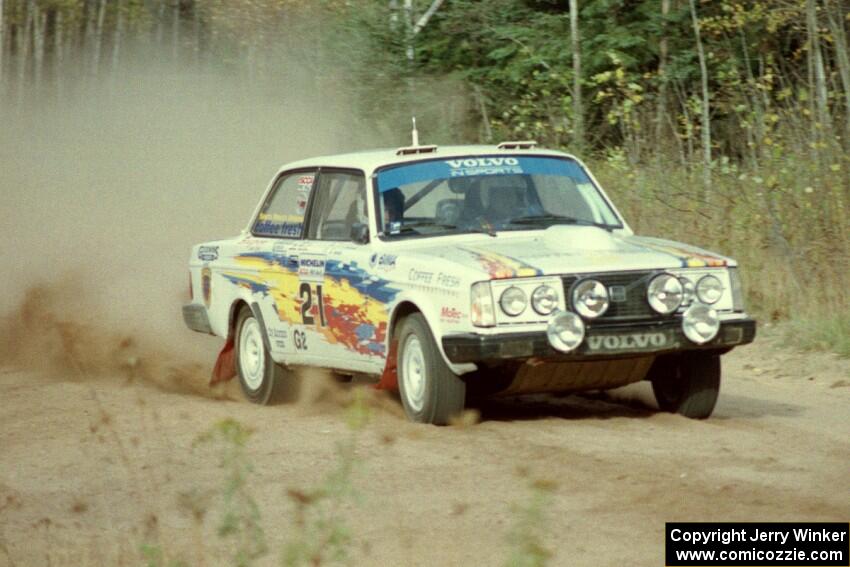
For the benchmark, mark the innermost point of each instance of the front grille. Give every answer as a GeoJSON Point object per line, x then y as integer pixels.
{"type": "Point", "coordinates": [628, 299]}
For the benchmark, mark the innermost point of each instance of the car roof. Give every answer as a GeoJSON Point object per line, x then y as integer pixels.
{"type": "Point", "coordinates": [370, 160]}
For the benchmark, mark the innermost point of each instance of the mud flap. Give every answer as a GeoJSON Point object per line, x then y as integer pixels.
{"type": "Point", "coordinates": [389, 379]}
{"type": "Point", "coordinates": [225, 364]}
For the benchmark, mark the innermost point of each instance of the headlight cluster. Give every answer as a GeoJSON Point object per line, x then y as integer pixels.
{"type": "Point", "coordinates": [513, 300]}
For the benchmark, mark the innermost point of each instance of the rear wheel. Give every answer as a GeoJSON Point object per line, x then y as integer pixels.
{"type": "Point", "coordinates": [688, 384]}
{"type": "Point", "coordinates": [261, 378]}
{"type": "Point", "coordinates": [430, 392]}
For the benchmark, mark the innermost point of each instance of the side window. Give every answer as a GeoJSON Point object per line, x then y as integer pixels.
{"type": "Point", "coordinates": [283, 212]}
{"type": "Point", "coordinates": [340, 203]}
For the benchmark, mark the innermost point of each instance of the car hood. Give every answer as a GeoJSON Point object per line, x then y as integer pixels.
{"type": "Point", "coordinates": [568, 249]}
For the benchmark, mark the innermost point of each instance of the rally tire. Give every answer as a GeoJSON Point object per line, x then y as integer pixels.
{"type": "Point", "coordinates": [430, 392]}
{"type": "Point", "coordinates": [261, 378]}
{"type": "Point", "coordinates": [688, 385]}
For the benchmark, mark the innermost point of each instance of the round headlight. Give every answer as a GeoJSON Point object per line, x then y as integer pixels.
{"type": "Point", "coordinates": [513, 301]}
{"type": "Point", "coordinates": [565, 331]}
{"type": "Point", "coordinates": [590, 298]}
{"type": "Point", "coordinates": [544, 300]}
{"type": "Point", "coordinates": [700, 323]}
{"type": "Point", "coordinates": [709, 290]}
{"type": "Point", "coordinates": [665, 293]}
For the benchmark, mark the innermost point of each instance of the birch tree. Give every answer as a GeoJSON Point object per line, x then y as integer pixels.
{"type": "Point", "coordinates": [706, 109]}
{"type": "Point", "coordinates": [578, 107]}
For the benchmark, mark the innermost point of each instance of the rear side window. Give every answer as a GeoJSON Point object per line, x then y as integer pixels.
{"type": "Point", "coordinates": [283, 212]}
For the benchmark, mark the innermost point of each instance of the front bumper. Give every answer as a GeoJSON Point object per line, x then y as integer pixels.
{"type": "Point", "coordinates": [196, 318]}
{"type": "Point", "coordinates": [600, 343]}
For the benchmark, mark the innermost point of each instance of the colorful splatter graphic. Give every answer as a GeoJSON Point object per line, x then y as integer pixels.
{"type": "Point", "coordinates": [499, 266]}
{"type": "Point", "coordinates": [689, 258]}
{"type": "Point", "coordinates": [355, 303]}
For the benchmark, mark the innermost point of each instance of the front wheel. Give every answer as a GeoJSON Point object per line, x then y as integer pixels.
{"type": "Point", "coordinates": [688, 384]}
{"type": "Point", "coordinates": [262, 380]}
{"type": "Point", "coordinates": [430, 391]}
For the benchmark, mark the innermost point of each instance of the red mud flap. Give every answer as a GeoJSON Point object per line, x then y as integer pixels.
{"type": "Point", "coordinates": [225, 364]}
{"type": "Point", "coordinates": [389, 379]}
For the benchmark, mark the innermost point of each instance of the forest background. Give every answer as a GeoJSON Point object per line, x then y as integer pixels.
{"type": "Point", "coordinates": [724, 123]}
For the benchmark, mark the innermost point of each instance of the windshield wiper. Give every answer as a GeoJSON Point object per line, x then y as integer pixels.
{"type": "Point", "coordinates": [559, 219]}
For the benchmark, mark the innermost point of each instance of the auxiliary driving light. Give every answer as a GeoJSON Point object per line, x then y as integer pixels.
{"type": "Point", "coordinates": [700, 323]}
{"type": "Point", "coordinates": [565, 331]}
{"type": "Point", "coordinates": [665, 293]}
{"type": "Point", "coordinates": [590, 298]}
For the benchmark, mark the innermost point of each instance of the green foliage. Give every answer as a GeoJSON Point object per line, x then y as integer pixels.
{"type": "Point", "coordinates": [828, 331]}
{"type": "Point", "coordinates": [240, 518]}
{"type": "Point", "coordinates": [528, 533]}
{"type": "Point", "coordinates": [154, 557]}
{"type": "Point", "coordinates": [320, 535]}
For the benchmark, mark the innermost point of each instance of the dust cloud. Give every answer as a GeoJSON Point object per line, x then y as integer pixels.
{"type": "Point", "coordinates": [104, 189]}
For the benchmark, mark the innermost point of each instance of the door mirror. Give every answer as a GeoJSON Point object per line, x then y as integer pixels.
{"type": "Point", "coordinates": [360, 233]}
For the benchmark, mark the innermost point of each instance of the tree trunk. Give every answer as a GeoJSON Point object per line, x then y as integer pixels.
{"type": "Point", "coordinates": [818, 71]}
{"type": "Point", "coordinates": [24, 51]}
{"type": "Point", "coordinates": [429, 13]}
{"type": "Point", "coordinates": [578, 108]}
{"type": "Point", "coordinates": [661, 107]}
{"type": "Point", "coordinates": [98, 37]}
{"type": "Point", "coordinates": [175, 31]}
{"type": "Point", "coordinates": [119, 33]}
{"type": "Point", "coordinates": [706, 110]}
{"type": "Point", "coordinates": [408, 30]}
{"type": "Point", "coordinates": [839, 34]}
{"type": "Point", "coordinates": [40, 23]}
{"type": "Point", "coordinates": [393, 15]}
{"type": "Point", "coordinates": [58, 52]}
{"type": "Point", "coordinates": [2, 41]}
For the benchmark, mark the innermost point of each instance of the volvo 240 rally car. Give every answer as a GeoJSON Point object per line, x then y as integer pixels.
{"type": "Point", "coordinates": [463, 271]}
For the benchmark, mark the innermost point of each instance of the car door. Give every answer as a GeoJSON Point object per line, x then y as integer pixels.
{"type": "Point", "coordinates": [333, 274]}
{"type": "Point", "coordinates": [270, 255]}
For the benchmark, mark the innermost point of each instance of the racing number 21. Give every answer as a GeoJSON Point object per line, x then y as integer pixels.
{"type": "Point", "coordinates": [306, 293]}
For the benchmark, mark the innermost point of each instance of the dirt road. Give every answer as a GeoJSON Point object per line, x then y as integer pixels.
{"type": "Point", "coordinates": [93, 465]}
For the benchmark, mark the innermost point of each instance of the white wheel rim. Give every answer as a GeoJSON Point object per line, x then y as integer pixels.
{"type": "Point", "coordinates": [252, 354]}
{"type": "Point", "coordinates": [414, 373]}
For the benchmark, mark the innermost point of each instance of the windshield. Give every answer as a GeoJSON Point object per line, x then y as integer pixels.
{"type": "Point", "coordinates": [488, 194]}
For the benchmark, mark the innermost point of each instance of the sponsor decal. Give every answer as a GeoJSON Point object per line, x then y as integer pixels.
{"type": "Point", "coordinates": [451, 315]}
{"type": "Point", "coordinates": [272, 228]}
{"type": "Point", "coordinates": [384, 262]}
{"type": "Point", "coordinates": [300, 204]}
{"type": "Point", "coordinates": [208, 253]}
{"type": "Point", "coordinates": [305, 183]}
{"type": "Point", "coordinates": [484, 166]}
{"type": "Point", "coordinates": [206, 285]}
{"type": "Point", "coordinates": [447, 280]}
{"type": "Point", "coordinates": [311, 268]}
{"type": "Point", "coordinates": [417, 276]}
{"type": "Point", "coordinates": [278, 337]}
{"type": "Point", "coordinates": [299, 339]}
{"type": "Point", "coordinates": [632, 341]}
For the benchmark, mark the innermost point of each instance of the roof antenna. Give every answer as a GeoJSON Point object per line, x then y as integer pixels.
{"type": "Point", "coordinates": [415, 134]}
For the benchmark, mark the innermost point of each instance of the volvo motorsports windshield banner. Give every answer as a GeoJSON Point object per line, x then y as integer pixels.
{"type": "Point", "coordinates": [757, 544]}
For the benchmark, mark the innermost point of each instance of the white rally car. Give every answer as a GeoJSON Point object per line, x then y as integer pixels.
{"type": "Point", "coordinates": [456, 272]}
